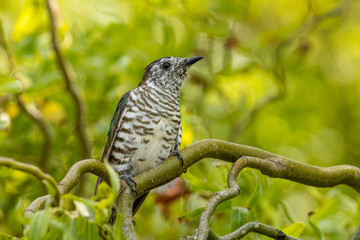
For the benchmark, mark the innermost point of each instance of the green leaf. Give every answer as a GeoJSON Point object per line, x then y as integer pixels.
{"type": "Point", "coordinates": [238, 217]}
{"type": "Point", "coordinates": [70, 231]}
{"type": "Point", "coordinates": [57, 227]}
{"type": "Point", "coordinates": [196, 213]}
{"type": "Point", "coordinates": [257, 192]}
{"type": "Point", "coordinates": [30, 20]}
{"type": "Point", "coordinates": [38, 225]}
{"type": "Point", "coordinates": [84, 210]}
{"type": "Point", "coordinates": [10, 85]}
{"type": "Point", "coordinates": [5, 236]}
{"type": "Point", "coordinates": [114, 231]}
{"type": "Point", "coordinates": [295, 229]}
{"type": "Point", "coordinates": [315, 228]}
{"type": "Point", "coordinates": [85, 207]}
{"type": "Point", "coordinates": [199, 184]}
{"type": "Point", "coordinates": [114, 178]}
{"type": "Point", "coordinates": [86, 230]}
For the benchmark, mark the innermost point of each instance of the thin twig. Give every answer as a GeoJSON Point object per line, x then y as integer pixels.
{"type": "Point", "coordinates": [66, 71]}
{"type": "Point", "coordinates": [34, 113]}
{"type": "Point", "coordinates": [35, 171]}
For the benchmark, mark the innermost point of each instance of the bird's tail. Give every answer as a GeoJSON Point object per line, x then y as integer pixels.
{"type": "Point", "coordinates": [98, 181]}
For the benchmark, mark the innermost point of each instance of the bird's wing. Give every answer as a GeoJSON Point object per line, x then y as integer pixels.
{"type": "Point", "coordinates": [113, 130]}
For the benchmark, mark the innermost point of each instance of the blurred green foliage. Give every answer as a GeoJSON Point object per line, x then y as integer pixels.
{"type": "Point", "coordinates": [310, 113]}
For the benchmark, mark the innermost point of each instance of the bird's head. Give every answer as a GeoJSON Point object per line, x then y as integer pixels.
{"type": "Point", "coordinates": [168, 72]}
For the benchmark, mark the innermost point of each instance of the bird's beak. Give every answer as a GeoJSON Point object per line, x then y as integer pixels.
{"type": "Point", "coordinates": [191, 61]}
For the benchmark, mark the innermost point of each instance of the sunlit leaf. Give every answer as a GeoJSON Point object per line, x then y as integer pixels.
{"type": "Point", "coordinates": [30, 20]}
{"type": "Point", "coordinates": [83, 209]}
{"type": "Point", "coordinates": [10, 85]}
{"type": "Point", "coordinates": [294, 229]}
{"type": "Point", "coordinates": [53, 112]}
{"type": "Point", "coordinates": [5, 121]}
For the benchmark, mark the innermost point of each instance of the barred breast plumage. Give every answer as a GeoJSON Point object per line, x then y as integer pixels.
{"type": "Point", "coordinates": [146, 127]}
{"type": "Point", "coordinates": [150, 130]}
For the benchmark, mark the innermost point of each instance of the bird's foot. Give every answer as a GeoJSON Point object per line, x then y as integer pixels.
{"type": "Point", "coordinates": [178, 155]}
{"type": "Point", "coordinates": [127, 177]}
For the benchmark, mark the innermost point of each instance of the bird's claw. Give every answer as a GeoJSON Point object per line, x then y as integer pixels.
{"type": "Point", "coordinates": [178, 155]}
{"type": "Point", "coordinates": [129, 181]}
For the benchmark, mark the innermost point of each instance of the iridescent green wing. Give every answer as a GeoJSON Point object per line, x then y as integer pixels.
{"type": "Point", "coordinates": [113, 129]}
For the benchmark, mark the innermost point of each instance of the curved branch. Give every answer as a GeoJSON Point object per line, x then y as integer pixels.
{"type": "Point", "coordinates": [72, 177]}
{"type": "Point", "coordinates": [230, 152]}
{"type": "Point", "coordinates": [35, 171]}
{"type": "Point", "coordinates": [66, 71]}
{"type": "Point", "coordinates": [268, 167]}
{"type": "Point", "coordinates": [70, 180]}
{"type": "Point", "coordinates": [260, 228]}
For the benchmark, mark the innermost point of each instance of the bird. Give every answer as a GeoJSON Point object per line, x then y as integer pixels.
{"type": "Point", "coordinates": [146, 129]}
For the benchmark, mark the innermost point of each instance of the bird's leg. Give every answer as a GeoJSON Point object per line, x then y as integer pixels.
{"type": "Point", "coordinates": [127, 177]}
{"type": "Point", "coordinates": [178, 155]}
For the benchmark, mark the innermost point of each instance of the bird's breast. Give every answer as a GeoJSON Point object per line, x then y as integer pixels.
{"type": "Point", "coordinates": [147, 134]}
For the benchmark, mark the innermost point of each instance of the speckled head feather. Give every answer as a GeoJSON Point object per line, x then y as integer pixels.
{"type": "Point", "coordinates": [167, 71]}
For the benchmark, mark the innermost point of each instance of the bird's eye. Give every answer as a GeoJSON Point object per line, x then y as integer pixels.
{"type": "Point", "coordinates": [165, 65]}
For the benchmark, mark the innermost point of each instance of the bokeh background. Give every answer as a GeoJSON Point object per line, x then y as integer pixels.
{"type": "Point", "coordinates": [280, 75]}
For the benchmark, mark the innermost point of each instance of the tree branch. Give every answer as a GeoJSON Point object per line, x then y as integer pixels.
{"type": "Point", "coordinates": [35, 171]}
{"type": "Point", "coordinates": [260, 228]}
{"type": "Point", "coordinates": [126, 201]}
{"type": "Point", "coordinates": [35, 114]}
{"type": "Point", "coordinates": [227, 151]}
{"type": "Point", "coordinates": [267, 167]}
{"type": "Point", "coordinates": [66, 71]}
{"type": "Point", "coordinates": [71, 179]}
